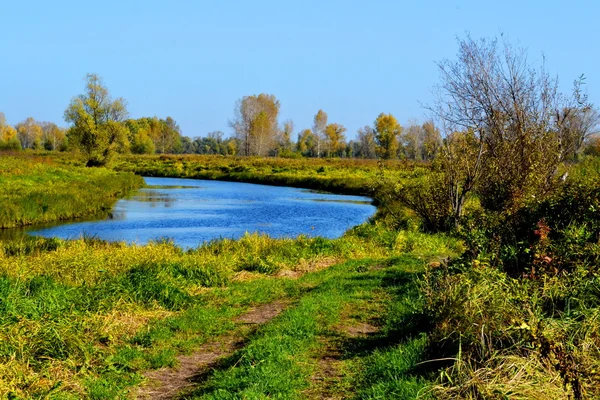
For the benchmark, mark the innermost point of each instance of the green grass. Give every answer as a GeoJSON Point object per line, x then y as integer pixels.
{"type": "Point", "coordinates": [84, 318]}
{"type": "Point", "coordinates": [280, 359]}
{"type": "Point", "coordinates": [37, 189]}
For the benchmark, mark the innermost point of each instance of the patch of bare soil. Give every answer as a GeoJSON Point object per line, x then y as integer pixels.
{"type": "Point", "coordinates": [361, 329]}
{"type": "Point", "coordinates": [166, 383]}
{"type": "Point", "coordinates": [327, 375]}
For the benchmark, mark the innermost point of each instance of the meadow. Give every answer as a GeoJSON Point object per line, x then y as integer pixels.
{"type": "Point", "coordinates": [499, 308]}
{"type": "Point", "coordinates": [87, 318]}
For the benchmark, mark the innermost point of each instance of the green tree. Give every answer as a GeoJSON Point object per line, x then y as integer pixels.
{"type": "Point", "coordinates": [142, 143]}
{"type": "Point", "coordinates": [285, 137]}
{"type": "Point", "coordinates": [232, 147]}
{"type": "Point", "coordinates": [387, 129]}
{"type": "Point", "coordinates": [306, 143]}
{"type": "Point", "coordinates": [97, 122]}
{"type": "Point", "coordinates": [168, 136]}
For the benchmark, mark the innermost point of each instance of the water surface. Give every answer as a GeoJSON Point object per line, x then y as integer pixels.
{"type": "Point", "coordinates": [191, 212]}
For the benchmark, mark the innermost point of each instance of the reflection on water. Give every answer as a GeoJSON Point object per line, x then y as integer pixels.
{"type": "Point", "coordinates": [191, 212]}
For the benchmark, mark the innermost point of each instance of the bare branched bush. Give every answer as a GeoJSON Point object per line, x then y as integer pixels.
{"type": "Point", "coordinates": [520, 127]}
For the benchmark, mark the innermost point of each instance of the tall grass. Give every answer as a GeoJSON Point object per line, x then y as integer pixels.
{"type": "Point", "coordinates": [520, 311]}
{"type": "Point", "coordinates": [38, 189]}
{"type": "Point", "coordinates": [83, 318]}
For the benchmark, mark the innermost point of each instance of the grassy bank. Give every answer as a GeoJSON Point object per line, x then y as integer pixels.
{"type": "Point", "coordinates": [86, 318]}
{"type": "Point", "coordinates": [37, 189]}
{"type": "Point", "coordinates": [348, 176]}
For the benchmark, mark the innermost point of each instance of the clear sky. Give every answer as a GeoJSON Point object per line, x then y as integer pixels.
{"type": "Point", "coordinates": [193, 59]}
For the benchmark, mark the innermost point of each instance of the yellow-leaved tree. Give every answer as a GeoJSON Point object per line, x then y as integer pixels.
{"type": "Point", "coordinates": [387, 129]}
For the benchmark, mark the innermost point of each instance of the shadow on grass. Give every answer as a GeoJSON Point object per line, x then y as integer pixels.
{"type": "Point", "coordinates": [392, 359]}
{"type": "Point", "coordinates": [399, 348]}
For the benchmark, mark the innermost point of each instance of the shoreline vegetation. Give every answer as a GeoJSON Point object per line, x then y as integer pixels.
{"type": "Point", "coordinates": [38, 189]}
{"type": "Point", "coordinates": [503, 306]}
{"type": "Point", "coordinates": [88, 318]}
{"type": "Point", "coordinates": [340, 176]}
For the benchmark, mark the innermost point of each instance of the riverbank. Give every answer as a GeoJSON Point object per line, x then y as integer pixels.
{"type": "Point", "coordinates": [383, 312]}
{"type": "Point", "coordinates": [37, 189]}
{"type": "Point", "coordinates": [92, 319]}
{"type": "Point", "coordinates": [342, 176]}
{"type": "Point", "coordinates": [87, 318]}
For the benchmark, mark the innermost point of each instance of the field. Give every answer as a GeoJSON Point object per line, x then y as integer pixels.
{"type": "Point", "coordinates": [385, 311]}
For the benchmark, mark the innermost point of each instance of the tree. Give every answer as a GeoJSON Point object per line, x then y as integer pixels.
{"type": "Point", "coordinates": [211, 144]}
{"type": "Point", "coordinates": [592, 145]}
{"type": "Point", "coordinates": [412, 141]}
{"type": "Point", "coordinates": [335, 141]}
{"type": "Point", "coordinates": [168, 136]}
{"type": "Point", "coordinates": [285, 138]}
{"type": "Point", "coordinates": [255, 123]}
{"type": "Point", "coordinates": [30, 134]}
{"type": "Point", "coordinates": [513, 123]}
{"type": "Point", "coordinates": [366, 143]}
{"type": "Point", "coordinates": [97, 122]}
{"type": "Point", "coordinates": [387, 129]}
{"type": "Point", "coordinates": [319, 125]}
{"type": "Point", "coordinates": [306, 143]}
{"type": "Point", "coordinates": [232, 147]}
{"type": "Point", "coordinates": [141, 143]}
{"type": "Point", "coordinates": [432, 141]}
{"type": "Point", "coordinates": [8, 136]}
{"type": "Point", "coordinates": [576, 125]}
{"type": "Point", "coordinates": [53, 137]}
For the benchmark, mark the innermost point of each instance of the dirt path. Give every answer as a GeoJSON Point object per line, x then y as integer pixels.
{"type": "Point", "coordinates": [328, 375]}
{"type": "Point", "coordinates": [165, 383]}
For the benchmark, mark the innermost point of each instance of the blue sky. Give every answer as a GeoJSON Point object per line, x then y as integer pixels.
{"type": "Point", "coordinates": [193, 59]}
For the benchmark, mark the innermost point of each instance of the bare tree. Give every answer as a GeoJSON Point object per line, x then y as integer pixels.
{"type": "Point", "coordinates": [432, 141]}
{"type": "Point", "coordinates": [412, 139]}
{"type": "Point", "coordinates": [508, 114]}
{"type": "Point", "coordinates": [255, 123]}
{"type": "Point", "coordinates": [30, 133]}
{"type": "Point", "coordinates": [319, 125]}
{"type": "Point", "coordinates": [366, 142]}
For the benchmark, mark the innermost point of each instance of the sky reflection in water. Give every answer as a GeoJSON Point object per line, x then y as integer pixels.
{"type": "Point", "coordinates": [191, 212]}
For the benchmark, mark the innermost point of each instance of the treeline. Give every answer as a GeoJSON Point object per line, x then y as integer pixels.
{"type": "Point", "coordinates": [31, 134]}
{"type": "Point", "coordinates": [142, 136]}
{"type": "Point", "coordinates": [258, 133]}
{"type": "Point", "coordinates": [100, 127]}
{"type": "Point", "coordinates": [255, 133]}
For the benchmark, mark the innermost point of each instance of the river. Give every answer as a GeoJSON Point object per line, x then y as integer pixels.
{"type": "Point", "coordinates": [190, 212]}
